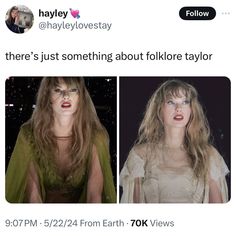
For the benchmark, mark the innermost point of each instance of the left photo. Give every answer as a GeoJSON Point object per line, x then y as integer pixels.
{"type": "Point", "coordinates": [61, 139]}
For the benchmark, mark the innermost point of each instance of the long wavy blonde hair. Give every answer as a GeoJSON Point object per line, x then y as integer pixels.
{"type": "Point", "coordinates": [197, 133]}
{"type": "Point", "coordinates": [86, 122]}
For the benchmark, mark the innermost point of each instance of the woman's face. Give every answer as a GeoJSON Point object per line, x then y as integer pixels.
{"type": "Point", "coordinates": [176, 111]}
{"type": "Point", "coordinates": [14, 13]}
{"type": "Point", "coordinates": [64, 100]}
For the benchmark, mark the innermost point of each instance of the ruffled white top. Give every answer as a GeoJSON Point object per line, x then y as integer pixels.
{"type": "Point", "coordinates": [165, 184]}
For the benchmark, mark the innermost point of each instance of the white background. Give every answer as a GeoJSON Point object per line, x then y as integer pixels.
{"type": "Point", "coordinates": [137, 26]}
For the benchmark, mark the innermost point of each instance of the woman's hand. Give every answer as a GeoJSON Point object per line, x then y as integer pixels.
{"type": "Point", "coordinates": [33, 194]}
{"type": "Point", "coordinates": [214, 192]}
{"type": "Point", "coordinates": [17, 18]}
{"type": "Point", "coordinates": [95, 180]}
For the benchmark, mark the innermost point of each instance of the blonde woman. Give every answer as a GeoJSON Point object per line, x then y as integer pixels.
{"type": "Point", "coordinates": [61, 154]}
{"type": "Point", "coordinates": [173, 160]}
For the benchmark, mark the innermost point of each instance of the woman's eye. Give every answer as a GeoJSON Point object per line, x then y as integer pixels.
{"type": "Point", "coordinates": [186, 102]}
{"type": "Point", "coordinates": [74, 90]}
{"type": "Point", "coordinates": [57, 90]}
{"type": "Point", "coordinates": [170, 102]}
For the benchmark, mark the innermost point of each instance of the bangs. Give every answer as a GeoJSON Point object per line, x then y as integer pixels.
{"type": "Point", "coordinates": [178, 89]}
{"type": "Point", "coordinates": [177, 92]}
{"type": "Point", "coordinates": [70, 82]}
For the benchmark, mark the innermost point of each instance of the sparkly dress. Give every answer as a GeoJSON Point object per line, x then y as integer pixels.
{"type": "Point", "coordinates": [53, 178]}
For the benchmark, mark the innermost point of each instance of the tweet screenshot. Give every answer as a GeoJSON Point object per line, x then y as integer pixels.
{"type": "Point", "coordinates": [117, 117]}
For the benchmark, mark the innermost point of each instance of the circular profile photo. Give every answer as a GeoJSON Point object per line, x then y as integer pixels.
{"type": "Point", "coordinates": [19, 19]}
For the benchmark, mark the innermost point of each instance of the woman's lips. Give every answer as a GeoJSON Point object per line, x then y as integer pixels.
{"type": "Point", "coordinates": [178, 117]}
{"type": "Point", "coordinates": [65, 105]}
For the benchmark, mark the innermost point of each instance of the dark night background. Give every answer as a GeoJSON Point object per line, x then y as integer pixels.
{"type": "Point", "coordinates": [214, 95]}
{"type": "Point", "coordinates": [21, 96]}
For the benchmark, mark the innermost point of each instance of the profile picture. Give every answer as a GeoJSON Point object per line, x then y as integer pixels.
{"type": "Point", "coordinates": [19, 19]}
{"type": "Point", "coordinates": [174, 139]}
{"type": "Point", "coordinates": [61, 140]}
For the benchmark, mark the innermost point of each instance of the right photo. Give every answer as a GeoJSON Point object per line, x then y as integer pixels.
{"type": "Point", "coordinates": [175, 139]}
